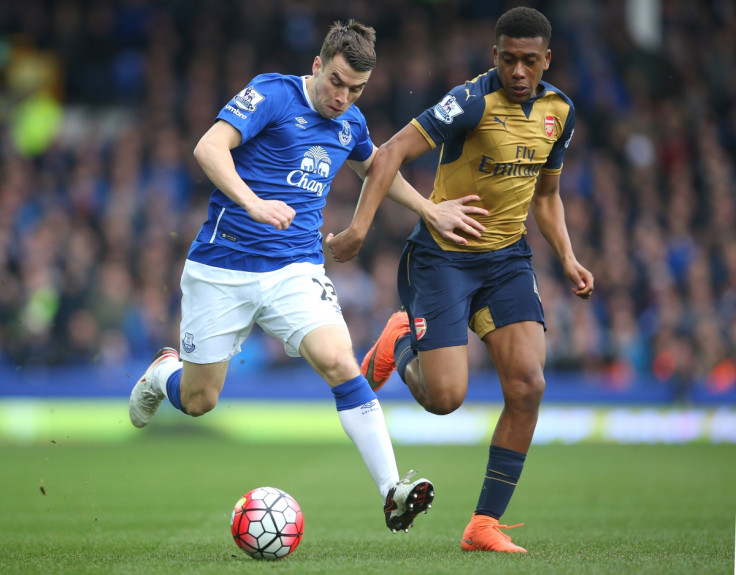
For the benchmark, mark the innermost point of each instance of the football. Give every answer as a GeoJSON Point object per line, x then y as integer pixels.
{"type": "Point", "coordinates": [267, 523]}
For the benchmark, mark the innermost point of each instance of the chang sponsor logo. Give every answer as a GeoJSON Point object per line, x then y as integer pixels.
{"type": "Point", "coordinates": [315, 164]}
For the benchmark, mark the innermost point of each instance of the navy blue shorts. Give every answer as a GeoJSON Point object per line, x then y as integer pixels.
{"type": "Point", "coordinates": [446, 292]}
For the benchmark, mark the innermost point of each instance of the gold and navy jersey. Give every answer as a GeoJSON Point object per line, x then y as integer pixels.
{"type": "Point", "coordinates": [495, 148]}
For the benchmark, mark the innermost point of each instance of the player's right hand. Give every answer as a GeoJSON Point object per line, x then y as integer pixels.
{"type": "Point", "coordinates": [345, 245]}
{"type": "Point", "coordinates": [453, 217]}
{"type": "Point", "coordinates": [272, 212]}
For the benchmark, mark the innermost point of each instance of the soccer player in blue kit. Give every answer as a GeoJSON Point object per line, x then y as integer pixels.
{"type": "Point", "coordinates": [272, 155]}
{"type": "Point", "coordinates": [503, 136]}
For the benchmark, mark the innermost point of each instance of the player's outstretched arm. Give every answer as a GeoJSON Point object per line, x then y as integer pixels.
{"type": "Point", "coordinates": [213, 154]}
{"type": "Point", "coordinates": [378, 173]}
{"type": "Point", "coordinates": [381, 177]}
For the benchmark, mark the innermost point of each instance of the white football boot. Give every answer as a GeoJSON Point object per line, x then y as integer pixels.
{"type": "Point", "coordinates": [146, 396]}
{"type": "Point", "coordinates": [406, 500]}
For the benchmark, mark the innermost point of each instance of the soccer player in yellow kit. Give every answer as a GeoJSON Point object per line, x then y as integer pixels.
{"type": "Point", "coordinates": [503, 137]}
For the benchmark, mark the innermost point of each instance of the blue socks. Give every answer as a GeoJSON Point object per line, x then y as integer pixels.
{"type": "Point", "coordinates": [504, 470]}
{"type": "Point", "coordinates": [172, 389]}
{"type": "Point", "coordinates": [353, 393]}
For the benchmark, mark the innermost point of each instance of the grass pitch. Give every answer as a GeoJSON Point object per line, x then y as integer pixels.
{"type": "Point", "coordinates": [160, 503]}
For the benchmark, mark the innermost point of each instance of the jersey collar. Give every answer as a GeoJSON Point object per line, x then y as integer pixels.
{"type": "Point", "coordinates": [306, 92]}
{"type": "Point", "coordinates": [529, 104]}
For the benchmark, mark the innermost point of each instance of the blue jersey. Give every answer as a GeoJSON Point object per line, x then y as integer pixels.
{"type": "Point", "coordinates": [288, 152]}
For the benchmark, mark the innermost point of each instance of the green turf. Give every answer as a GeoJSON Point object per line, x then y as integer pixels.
{"type": "Point", "coordinates": [161, 503]}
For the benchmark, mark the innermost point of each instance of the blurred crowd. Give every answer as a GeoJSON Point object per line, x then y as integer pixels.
{"type": "Point", "coordinates": [102, 103]}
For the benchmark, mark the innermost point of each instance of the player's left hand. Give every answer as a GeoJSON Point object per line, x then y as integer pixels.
{"type": "Point", "coordinates": [453, 217]}
{"type": "Point", "coordinates": [345, 245]}
{"type": "Point", "coordinates": [582, 280]}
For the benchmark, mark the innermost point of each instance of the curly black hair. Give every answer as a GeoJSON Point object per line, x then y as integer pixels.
{"type": "Point", "coordinates": [524, 22]}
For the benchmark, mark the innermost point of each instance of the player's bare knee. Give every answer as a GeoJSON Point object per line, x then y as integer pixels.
{"type": "Point", "coordinates": [440, 409]}
{"type": "Point", "coordinates": [525, 394]}
{"type": "Point", "coordinates": [200, 404]}
{"type": "Point", "coordinates": [534, 390]}
{"type": "Point", "coordinates": [197, 408]}
{"type": "Point", "coordinates": [339, 369]}
{"type": "Point", "coordinates": [442, 405]}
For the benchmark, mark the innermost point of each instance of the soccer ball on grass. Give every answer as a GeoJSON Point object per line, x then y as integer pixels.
{"type": "Point", "coordinates": [267, 523]}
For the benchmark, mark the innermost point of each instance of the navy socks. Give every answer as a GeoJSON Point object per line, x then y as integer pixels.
{"type": "Point", "coordinates": [503, 472]}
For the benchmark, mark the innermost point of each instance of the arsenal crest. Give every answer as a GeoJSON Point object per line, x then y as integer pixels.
{"type": "Point", "coordinates": [549, 125]}
{"type": "Point", "coordinates": [420, 327]}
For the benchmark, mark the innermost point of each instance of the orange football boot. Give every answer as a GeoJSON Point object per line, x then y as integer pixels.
{"type": "Point", "coordinates": [483, 533]}
{"type": "Point", "coordinates": [379, 364]}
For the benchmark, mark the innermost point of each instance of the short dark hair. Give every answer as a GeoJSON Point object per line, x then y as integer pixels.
{"type": "Point", "coordinates": [355, 41]}
{"type": "Point", "coordinates": [523, 22]}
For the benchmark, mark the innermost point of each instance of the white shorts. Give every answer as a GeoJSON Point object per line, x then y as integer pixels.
{"type": "Point", "coordinates": [220, 307]}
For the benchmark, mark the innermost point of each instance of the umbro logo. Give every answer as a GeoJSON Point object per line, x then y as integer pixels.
{"type": "Point", "coordinates": [368, 407]}
{"type": "Point", "coordinates": [300, 122]}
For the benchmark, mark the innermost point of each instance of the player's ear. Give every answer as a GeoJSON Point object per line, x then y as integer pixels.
{"type": "Point", "coordinates": [316, 65]}
{"type": "Point", "coordinates": [547, 58]}
{"type": "Point", "coordinates": [495, 55]}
